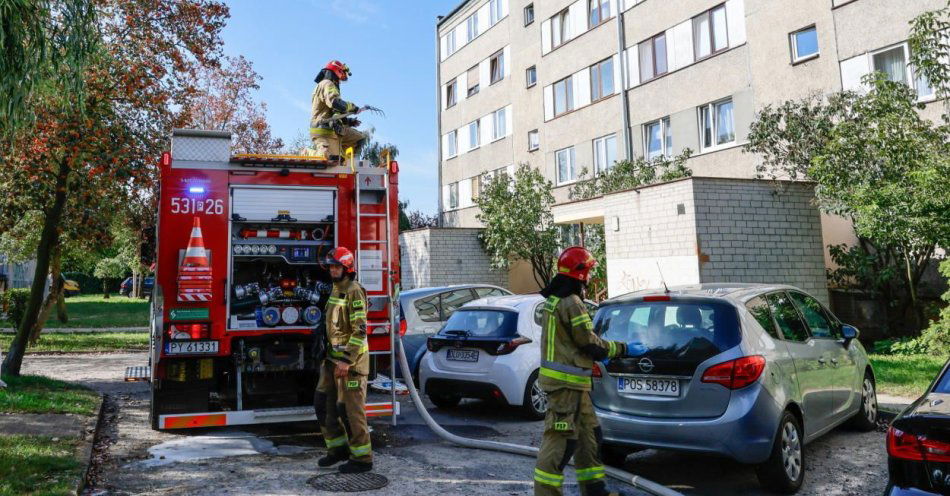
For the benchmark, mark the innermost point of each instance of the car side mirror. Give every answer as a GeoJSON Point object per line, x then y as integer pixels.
{"type": "Point", "coordinates": [849, 333]}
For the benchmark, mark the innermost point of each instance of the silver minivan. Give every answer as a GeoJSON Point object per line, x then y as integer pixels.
{"type": "Point", "coordinates": [752, 372]}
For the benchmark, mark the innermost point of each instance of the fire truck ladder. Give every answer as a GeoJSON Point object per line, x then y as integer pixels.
{"type": "Point", "coordinates": [372, 186]}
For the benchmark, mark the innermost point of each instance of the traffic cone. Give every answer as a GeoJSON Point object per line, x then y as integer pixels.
{"type": "Point", "coordinates": [195, 254]}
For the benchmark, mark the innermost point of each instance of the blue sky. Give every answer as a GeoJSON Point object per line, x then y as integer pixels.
{"type": "Point", "coordinates": [388, 44]}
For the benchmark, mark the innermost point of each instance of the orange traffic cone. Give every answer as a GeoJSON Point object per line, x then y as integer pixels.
{"type": "Point", "coordinates": [195, 254]}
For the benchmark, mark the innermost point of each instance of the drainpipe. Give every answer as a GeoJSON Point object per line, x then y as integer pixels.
{"type": "Point", "coordinates": [438, 113]}
{"type": "Point", "coordinates": [625, 110]}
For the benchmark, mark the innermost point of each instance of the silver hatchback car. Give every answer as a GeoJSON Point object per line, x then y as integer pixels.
{"type": "Point", "coordinates": [752, 372]}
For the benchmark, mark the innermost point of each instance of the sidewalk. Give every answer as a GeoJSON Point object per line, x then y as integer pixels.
{"type": "Point", "coordinates": [890, 404]}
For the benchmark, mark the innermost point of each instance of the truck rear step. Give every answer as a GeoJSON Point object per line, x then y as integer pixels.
{"type": "Point", "coordinates": [261, 416]}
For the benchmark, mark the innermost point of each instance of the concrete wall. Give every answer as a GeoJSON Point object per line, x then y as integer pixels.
{"type": "Point", "coordinates": [438, 257]}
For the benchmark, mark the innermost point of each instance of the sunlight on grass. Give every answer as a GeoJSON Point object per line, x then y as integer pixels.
{"type": "Point", "coordinates": [38, 465]}
{"type": "Point", "coordinates": [905, 375]}
{"type": "Point", "coordinates": [96, 311]}
{"type": "Point", "coordinates": [84, 341]}
{"type": "Point", "coordinates": [37, 394]}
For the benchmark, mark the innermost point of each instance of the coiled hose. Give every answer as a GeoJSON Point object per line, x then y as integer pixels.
{"type": "Point", "coordinates": [517, 449]}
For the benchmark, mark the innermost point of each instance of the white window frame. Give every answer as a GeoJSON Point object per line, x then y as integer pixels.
{"type": "Point", "coordinates": [597, 83]}
{"type": "Point", "coordinates": [568, 83]}
{"type": "Point", "coordinates": [495, 11]}
{"type": "Point", "coordinates": [453, 196]}
{"type": "Point", "coordinates": [471, 27]}
{"type": "Point", "coordinates": [560, 28]}
{"type": "Point", "coordinates": [602, 160]}
{"type": "Point", "coordinates": [714, 125]}
{"type": "Point", "coordinates": [527, 76]}
{"type": "Point", "coordinates": [476, 185]}
{"type": "Point", "coordinates": [537, 140]}
{"type": "Point", "coordinates": [468, 91]}
{"type": "Point", "coordinates": [572, 165]}
{"type": "Point", "coordinates": [498, 67]}
{"type": "Point", "coordinates": [666, 145]}
{"type": "Point", "coordinates": [478, 131]}
{"type": "Point", "coordinates": [452, 85]}
{"type": "Point", "coordinates": [450, 46]}
{"type": "Point", "coordinates": [600, 12]}
{"type": "Point", "coordinates": [453, 143]}
{"type": "Point", "coordinates": [498, 125]}
{"type": "Point", "coordinates": [796, 57]}
{"type": "Point", "coordinates": [910, 75]}
{"type": "Point", "coordinates": [528, 19]}
{"type": "Point", "coordinates": [650, 44]}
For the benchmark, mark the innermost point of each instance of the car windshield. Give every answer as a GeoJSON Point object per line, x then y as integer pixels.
{"type": "Point", "coordinates": [673, 329]}
{"type": "Point", "coordinates": [481, 323]}
{"type": "Point", "coordinates": [943, 385]}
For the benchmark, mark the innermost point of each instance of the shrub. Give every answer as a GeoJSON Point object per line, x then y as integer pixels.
{"type": "Point", "coordinates": [13, 303]}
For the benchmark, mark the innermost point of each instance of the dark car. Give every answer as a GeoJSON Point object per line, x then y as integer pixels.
{"type": "Point", "coordinates": [918, 443]}
{"type": "Point", "coordinates": [126, 287]}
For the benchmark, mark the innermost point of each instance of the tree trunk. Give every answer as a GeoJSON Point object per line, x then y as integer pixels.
{"type": "Point", "coordinates": [136, 289]}
{"type": "Point", "coordinates": [55, 293]}
{"type": "Point", "coordinates": [48, 239]}
{"type": "Point", "coordinates": [105, 289]}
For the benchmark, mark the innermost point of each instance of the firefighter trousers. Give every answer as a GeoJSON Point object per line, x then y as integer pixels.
{"type": "Point", "coordinates": [570, 428]}
{"type": "Point", "coordinates": [340, 405]}
{"type": "Point", "coordinates": [327, 143]}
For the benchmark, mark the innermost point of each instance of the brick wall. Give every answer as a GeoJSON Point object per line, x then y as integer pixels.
{"type": "Point", "coordinates": [760, 232]}
{"type": "Point", "coordinates": [441, 256]}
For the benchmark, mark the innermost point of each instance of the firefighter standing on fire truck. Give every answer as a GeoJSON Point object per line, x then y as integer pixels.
{"type": "Point", "coordinates": [330, 137]}
{"type": "Point", "coordinates": [569, 348]}
{"type": "Point", "coordinates": [340, 399]}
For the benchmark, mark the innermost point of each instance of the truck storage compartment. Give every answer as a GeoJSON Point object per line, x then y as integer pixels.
{"type": "Point", "coordinates": [278, 239]}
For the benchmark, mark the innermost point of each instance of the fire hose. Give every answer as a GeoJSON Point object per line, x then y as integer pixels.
{"type": "Point", "coordinates": [517, 449]}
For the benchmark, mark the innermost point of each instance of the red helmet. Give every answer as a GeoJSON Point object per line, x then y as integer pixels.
{"type": "Point", "coordinates": [339, 68]}
{"type": "Point", "coordinates": [576, 262]}
{"type": "Point", "coordinates": [341, 256]}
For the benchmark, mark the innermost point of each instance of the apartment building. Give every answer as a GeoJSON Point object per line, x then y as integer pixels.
{"type": "Point", "coordinates": [573, 85]}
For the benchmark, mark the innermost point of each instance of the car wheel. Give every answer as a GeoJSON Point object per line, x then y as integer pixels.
{"type": "Point", "coordinates": [784, 471]}
{"type": "Point", "coordinates": [445, 401]}
{"type": "Point", "coordinates": [866, 418]}
{"type": "Point", "coordinates": [535, 402]}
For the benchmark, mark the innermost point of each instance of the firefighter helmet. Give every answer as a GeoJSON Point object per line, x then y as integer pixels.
{"type": "Point", "coordinates": [339, 68]}
{"type": "Point", "coordinates": [341, 256]}
{"type": "Point", "coordinates": [576, 262]}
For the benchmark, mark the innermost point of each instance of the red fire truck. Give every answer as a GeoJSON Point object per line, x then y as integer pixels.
{"type": "Point", "coordinates": [240, 286]}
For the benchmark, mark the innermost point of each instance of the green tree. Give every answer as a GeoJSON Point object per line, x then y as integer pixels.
{"type": "Point", "coordinates": [627, 174]}
{"type": "Point", "coordinates": [929, 45]}
{"type": "Point", "coordinates": [516, 213]}
{"type": "Point", "coordinates": [109, 269]}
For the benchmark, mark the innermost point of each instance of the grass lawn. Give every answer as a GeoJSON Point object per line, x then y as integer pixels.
{"type": "Point", "coordinates": [84, 341]}
{"type": "Point", "coordinates": [95, 311]}
{"type": "Point", "coordinates": [905, 375]}
{"type": "Point", "coordinates": [37, 394]}
{"type": "Point", "coordinates": [39, 465]}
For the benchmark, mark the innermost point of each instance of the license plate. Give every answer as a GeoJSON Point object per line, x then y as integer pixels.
{"type": "Point", "coordinates": [462, 355]}
{"type": "Point", "coordinates": [648, 385]}
{"type": "Point", "coordinates": [190, 347]}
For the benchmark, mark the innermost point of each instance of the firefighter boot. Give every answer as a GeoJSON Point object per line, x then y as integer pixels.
{"type": "Point", "coordinates": [333, 457]}
{"type": "Point", "coordinates": [355, 467]}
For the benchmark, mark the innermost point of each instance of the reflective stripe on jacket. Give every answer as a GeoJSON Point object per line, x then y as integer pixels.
{"type": "Point", "coordinates": [346, 325]}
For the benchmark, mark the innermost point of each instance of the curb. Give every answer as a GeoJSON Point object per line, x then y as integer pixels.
{"type": "Point", "coordinates": [84, 482]}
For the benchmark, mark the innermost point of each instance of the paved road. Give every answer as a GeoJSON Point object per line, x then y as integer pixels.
{"type": "Point", "coordinates": [280, 459]}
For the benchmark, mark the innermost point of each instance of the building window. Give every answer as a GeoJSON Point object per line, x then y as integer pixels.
{"type": "Point", "coordinates": [453, 195]}
{"type": "Point", "coordinates": [659, 138]}
{"type": "Point", "coordinates": [473, 135]}
{"type": "Point", "coordinates": [494, 6]}
{"type": "Point", "coordinates": [893, 63]}
{"type": "Point", "coordinates": [529, 14]}
{"type": "Point", "coordinates": [472, 26]}
{"type": "Point", "coordinates": [531, 76]}
{"type": "Point", "coordinates": [497, 65]}
{"type": "Point", "coordinates": [534, 140]}
{"type": "Point", "coordinates": [563, 96]}
{"type": "Point", "coordinates": [451, 92]}
{"type": "Point", "coordinates": [599, 11]}
{"type": "Point", "coordinates": [450, 42]}
{"type": "Point", "coordinates": [653, 57]}
{"type": "Point", "coordinates": [605, 152]}
{"type": "Point", "coordinates": [472, 78]}
{"type": "Point", "coordinates": [498, 126]}
{"type": "Point", "coordinates": [602, 79]}
{"type": "Point", "coordinates": [716, 122]}
{"type": "Point", "coordinates": [564, 159]}
{"type": "Point", "coordinates": [453, 143]}
{"type": "Point", "coordinates": [476, 187]}
{"type": "Point", "coordinates": [804, 44]}
{"type": "Point", "coordinates": [710, 33]}
{"type": "Point", "coordinates": [560, 28]}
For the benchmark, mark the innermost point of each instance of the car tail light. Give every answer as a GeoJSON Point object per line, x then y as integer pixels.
{"type": "Point", "coordinates": [190, 331]}
{"type": "Point", "coordinates": [656, 298]}
{"type": "Point", "coordinates": [595, 371]}
{"type": "Point", "coordinates": [510, 346]}
{"type": "Point", "coordinates": [737, 373]}
{"type": "Point", "coordinates": [403, 326]}
{"type": "Point", "coordinates": [908, 446]}
{"type": "Point", "coordinates": [432, 346]}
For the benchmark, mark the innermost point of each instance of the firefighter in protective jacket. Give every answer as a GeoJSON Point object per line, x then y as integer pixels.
{"type": "Point", "coordinates": [340, 400]}
{"type": "Point", "coordinates": [329, 137]}
{"type": "Point", "coordinates": [569, 348]}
